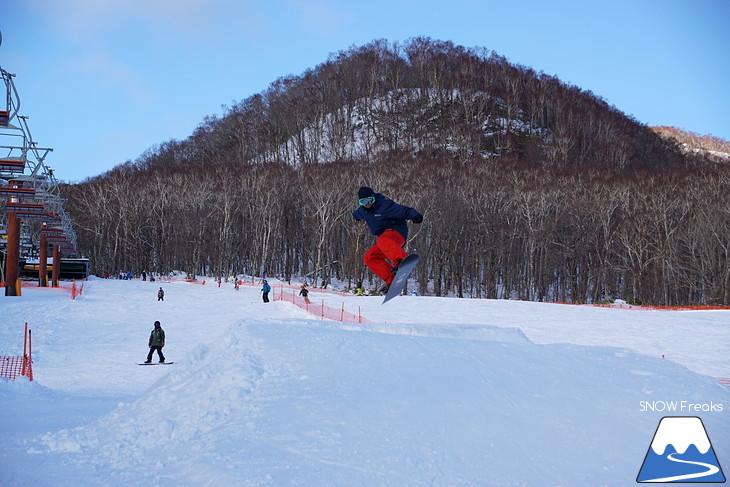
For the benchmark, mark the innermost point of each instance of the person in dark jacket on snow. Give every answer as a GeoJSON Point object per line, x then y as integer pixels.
{"type": "Point", "coordinates": [388, 221]}
{"type": "Point", "coordinates": [265, 290]}
{"type": "Point", "coordinates": [304, 293]}
{"type": "Point", "coordinates": [156, 342]}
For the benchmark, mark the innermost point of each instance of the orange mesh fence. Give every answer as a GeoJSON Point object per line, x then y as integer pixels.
{"type": "Point", "coordinates": [318, 308]}
{"type": "Point", "coordinates": [252, 281]}
{"type": "Point", "coordinates": [77, 290]}
{"type": "Point", "coordinates": [73, 289]}
{"type": "Point", "coordinates": [636, 307]}
{"type": "Point", "coordinates": [257, 281]}
{"type": "Point", "coordinates": [12, 366]}
{"type": "Point", "coordinates": [699, 307]}
{"type": "Point", "coordinates": [60, 287]}
{"type": "Point", "coordinates": [176, 279]}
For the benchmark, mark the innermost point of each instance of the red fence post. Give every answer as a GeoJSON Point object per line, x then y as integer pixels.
{"type": "Point", "coordinates": [29, 368]}
{"type": "Point", "coordinates": [25, 348]}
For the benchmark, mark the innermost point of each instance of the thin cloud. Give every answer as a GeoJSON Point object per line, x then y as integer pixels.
{"type": "Point", "coordinates": [321, 18]}
{"type": "Point", "coordinates": [109, 74]}
{"type": "Point", "coordinates": [82, 20]}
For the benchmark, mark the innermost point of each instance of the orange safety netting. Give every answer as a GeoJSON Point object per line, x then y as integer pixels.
{"type": "Point", "coordinates": [13, 366]}
{"type": "Point", "coordinates": [637, 307]}
{"type": "Point", "coordinates": [73, 289]}
{"type": "Point", "coordinates": [319, 308]}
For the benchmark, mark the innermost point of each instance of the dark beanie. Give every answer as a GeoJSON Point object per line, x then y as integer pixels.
{"type": "Point", "coordinates": [365, 192]}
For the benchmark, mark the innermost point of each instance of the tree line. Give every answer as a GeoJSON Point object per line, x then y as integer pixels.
{"type": "Point", "coordinates": [502, 230]}
{"type": "Point", "coordinates": [530, 188]}
{"type": "Point", "coordinates": [695, 141]}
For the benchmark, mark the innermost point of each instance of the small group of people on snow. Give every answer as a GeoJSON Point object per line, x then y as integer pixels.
{"type": "Point", "coordinates": [386, 219]}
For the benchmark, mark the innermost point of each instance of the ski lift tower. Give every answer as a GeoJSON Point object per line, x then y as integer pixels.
{"type": "Point", "coordinates": [30, 202]}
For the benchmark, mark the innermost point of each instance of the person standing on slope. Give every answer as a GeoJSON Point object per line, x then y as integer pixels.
{"type": "Point", "coordinates": [388, 221]}
{"type": "Point", "coordinates": [304, 292]}
{"type": "Point", "coordinates": [156, 342]}
{"type": "Point", "coordinates": [265, 290]}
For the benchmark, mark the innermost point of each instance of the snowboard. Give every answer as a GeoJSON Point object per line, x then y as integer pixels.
{"type": "Point", "coordinates": [404, 270]}
{"type": "Point", "coordinates": [157, 363]}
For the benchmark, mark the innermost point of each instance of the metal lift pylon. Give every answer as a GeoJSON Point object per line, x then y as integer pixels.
{"type": "Point", "coordinates": [31, 207]}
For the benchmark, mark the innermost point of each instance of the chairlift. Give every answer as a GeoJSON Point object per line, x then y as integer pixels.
{"type": "Point", "coordinates": [8, 191]}
{"type": "Point", "coordinates": [12, 165]}
{"type": "Point", "coordinates": [18, 207]}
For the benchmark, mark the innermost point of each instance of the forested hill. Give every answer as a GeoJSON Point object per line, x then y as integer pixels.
{"type": "Point", "coordinates": [531, 188]}
{"type": "Point", "coordinates": [425, 97]}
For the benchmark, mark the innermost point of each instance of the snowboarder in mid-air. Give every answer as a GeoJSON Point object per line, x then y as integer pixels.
{"type": "Point", "coordinates": [156, 342]}
{"type": "Point", "coordinates": [388, 221]}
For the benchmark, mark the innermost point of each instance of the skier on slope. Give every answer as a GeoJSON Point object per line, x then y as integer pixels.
{"type": "Point", "coordinates": [304, 293]}
{"type": "Point", "coordinates": [265, 290]}
{"type": "Point", "coordinates": [388, 221]}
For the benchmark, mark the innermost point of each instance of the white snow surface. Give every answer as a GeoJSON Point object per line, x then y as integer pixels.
{"type": "Point", "coordinates": [430, 392]}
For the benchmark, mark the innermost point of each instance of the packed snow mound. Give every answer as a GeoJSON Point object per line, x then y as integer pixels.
{"type": "Point", "coordinates": [189, 402]}
{"type": "Point", "coordinates": [484, 333]}
{"type": "Point", "coordinates": [296, 402]}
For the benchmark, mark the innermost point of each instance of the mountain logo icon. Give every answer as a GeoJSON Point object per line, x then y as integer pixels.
{"type": "Point", "coordinates": [680, 452]}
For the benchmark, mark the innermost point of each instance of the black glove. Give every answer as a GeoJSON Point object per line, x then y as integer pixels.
{"type": "Point", "coordinates": [417, 219]}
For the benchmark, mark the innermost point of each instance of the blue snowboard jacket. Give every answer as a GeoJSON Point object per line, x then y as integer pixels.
{"type": "Point", "coordinates": [386, 214]}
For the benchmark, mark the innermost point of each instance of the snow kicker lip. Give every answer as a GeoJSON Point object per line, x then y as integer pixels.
{"type": "Point", "coordinates": [476, 332]}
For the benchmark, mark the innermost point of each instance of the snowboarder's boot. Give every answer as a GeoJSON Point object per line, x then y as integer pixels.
{"type": "Point", "coordinates": [396, 264]}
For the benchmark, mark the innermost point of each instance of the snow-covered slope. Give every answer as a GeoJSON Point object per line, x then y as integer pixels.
{"type": "Point", "coordinates": [433, 391]}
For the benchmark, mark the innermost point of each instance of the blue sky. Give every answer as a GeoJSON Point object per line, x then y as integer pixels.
{"type": "Point", "coordinates": [104, 80]}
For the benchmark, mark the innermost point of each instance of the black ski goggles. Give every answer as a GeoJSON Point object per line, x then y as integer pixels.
{"type": "Point", "coordinates": [366, 201]}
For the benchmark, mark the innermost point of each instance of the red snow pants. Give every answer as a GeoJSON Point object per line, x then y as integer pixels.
{"type": "Point", "coordinates": [389, 245]}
